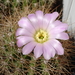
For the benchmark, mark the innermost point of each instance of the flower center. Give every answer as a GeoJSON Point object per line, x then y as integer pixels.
{"type": "Point", "coordinates": [41, 36]}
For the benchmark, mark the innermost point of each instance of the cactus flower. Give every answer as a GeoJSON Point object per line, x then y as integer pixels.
{"type": "Point", "coordinates": [39, 33]}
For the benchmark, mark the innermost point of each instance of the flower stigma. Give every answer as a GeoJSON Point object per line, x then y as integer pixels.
{"type": "Point", "coordinates": [41, 36]}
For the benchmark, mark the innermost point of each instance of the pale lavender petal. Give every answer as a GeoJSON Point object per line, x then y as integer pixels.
{"type": "Point", "coordinates": [49, 19]}
{"type": "Point", "coordinates": [58, 46]}
{"type": "Point", "coordinates": [28, 48]}
{"type": "Point", "coordinates": [54, 15]}
{"type": "Point", "coordinates": [22, 31]}
{"type": "Point", "coordinates": [58, 29]}
{"type": "Point", "coordinates": [63, 36]}
{"type": "Point", "coordinates": [54, 24]}
{"type": "Point", "coordinates": [39, 15]}
{"type": "Point", "coordinates": [57, 22]}
{"type": "Point", "coordinates": [46, 54]}
{"type": "Point", "coordinates": [48, 51]}
{"type": "Point", "coordinates": [46, 20]}
{"type": "Point", "coordinates": [25, 23]}
{"type": "Point", "coordinates": [38, 50]}
{"type": "Point", "coordinates": [34, 21]}
{"type": "Point", "coordinates": [22, 40]}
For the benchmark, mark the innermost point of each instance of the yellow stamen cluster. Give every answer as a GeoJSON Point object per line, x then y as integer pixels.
{"type": "Point", "coordinates": [41, 36]}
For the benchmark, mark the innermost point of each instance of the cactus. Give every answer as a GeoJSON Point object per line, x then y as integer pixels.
{"type": "Point", "coordinates": [13, 4]}
{"type": "Point", "coordinates": [12, 62]}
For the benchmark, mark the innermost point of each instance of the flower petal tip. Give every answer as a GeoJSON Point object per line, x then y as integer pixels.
{"type": "Point", "coordinates": [61, 53]}
{"type": "Point", "coordinates": [19, 45]}
{"type": "Point", "coordinates": [24, 53]}
{"type": "Point", "coordinates": [47, 59]}
{"type": "Point", "coordinates": [56, 13]}
{"type": "Point", "coordinates": [36, 57]}
{"type": "Point", "coordinates": [20, 21]}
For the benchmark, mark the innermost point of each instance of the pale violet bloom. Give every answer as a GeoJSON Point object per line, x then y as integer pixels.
{"type": "Point", "coordinates": [39, 33]}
